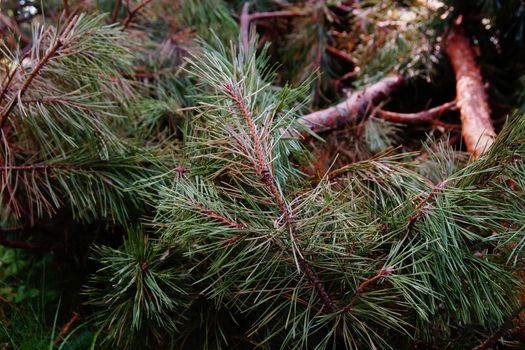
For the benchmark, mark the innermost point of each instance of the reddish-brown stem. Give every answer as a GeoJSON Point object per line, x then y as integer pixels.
{"type": "Point", "coordinates": [423, 205]}
{"type": "Point", "coordinates": [218, 217]}
{"type": "Point", "coordinates": [43, 61]}
{"type": "Point", "coordinates": [266, 176]}
{"type": "Point", "coordinates": [355, 107]}
{"type": "Point", "coordinates": [423, 117]}
{"type": "Point", "coordinates": [261, 15]}
{"type": "Point", "coordinates": [477, 130]}
{"type": "Point", "coordinates": [383, 273]}
{"type": "Point", "coordinates": [66, 7]}
{"type": "Point", "coordinates": [12, 24]}
{"type": "Point", "coordinates": [341, 54]}
{"type": "Point", "coordinates": [133, 13]}
{"type": "Point", "coordinates": [67, 327]}
{"type": "Point", "coordinates": [7, 83]}
{"type": "Point", "coordinates": [116, 9]}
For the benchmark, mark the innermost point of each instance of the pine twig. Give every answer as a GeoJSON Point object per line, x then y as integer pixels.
{"type": "Point", "coordinates": [266, 175]}
{"type": "Point", "coordinates": [133, 13]}
{"type": "Point", "coordinates": [67, 327]}
{"type": "Point", "coordinates": [43, 61]}
{"type": "Point", "coordinates": [12, 24]}
{"type": "Point", "coordinates": [478, 131]}
{"type": "Point", "coordinates": [355, 107]}
{"type": "Point", "coordinates": [116, 9]}
{"type": "Point", "coordinates": [383, 273]}
{"type": "Point", "coordinates": [423, 206]}
{"type": "Point", "coordinates": [424, 117]}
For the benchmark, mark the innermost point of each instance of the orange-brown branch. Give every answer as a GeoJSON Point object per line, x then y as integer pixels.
{"type": "Point", "coordinates": [355, 107]}
{"type": "Point", "coordinates": [477, 131]}
{"type": "Point", "coordinates": [423, 117]}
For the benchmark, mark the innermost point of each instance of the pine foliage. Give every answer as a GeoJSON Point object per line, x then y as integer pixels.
{"type": "Point", "coordinates": [165, 129]}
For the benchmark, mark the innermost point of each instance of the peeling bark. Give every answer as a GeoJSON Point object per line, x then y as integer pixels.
{"type": "Point", "coordinates": [472, 99]}
{"type": "Point", "coordinates": [355, 107]}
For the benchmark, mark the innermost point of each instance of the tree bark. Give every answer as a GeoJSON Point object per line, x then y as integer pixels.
{"type": "Point", "coordinates": [477, 130]}
{"type": "Point", "coordinates": [355, 107]}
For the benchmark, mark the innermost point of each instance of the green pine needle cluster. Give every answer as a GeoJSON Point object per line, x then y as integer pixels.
{"type": "Point", "coordinates": [192, 148]}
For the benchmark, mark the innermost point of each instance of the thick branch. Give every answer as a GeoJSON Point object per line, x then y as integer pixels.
{"type": "Point", "coordinates": [478, 131]}
{"type": "Point", "coordinates": [355, 107]}
{"type": "Point", "coordinates": [43, 61]}
{"type": "Point", "coordinates": [423, 117]}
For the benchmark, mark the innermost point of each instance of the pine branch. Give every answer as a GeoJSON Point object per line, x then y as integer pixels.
{"type": "Point", "coordinates": [424, 117]}
{"type": "Point", "coordinates": [266, 175]}
{"type": "Point", "coordinates": [478, 131]}
{"type": "Point", "coordinates": [43, 61]}
{"type": "Point", "coordinates": [12, 24]}
{"type": "Point", "coordinates": [354, 108]}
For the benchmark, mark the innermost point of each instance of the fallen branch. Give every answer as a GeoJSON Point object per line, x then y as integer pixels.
{"type": "Point", "coordinates": [424, 117]}
{"type": "Point", "coordinates": [477, 131]}
{"type": "Point", "coordinates": [355, 107]}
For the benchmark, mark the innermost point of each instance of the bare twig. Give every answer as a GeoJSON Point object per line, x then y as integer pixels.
{"type": "Point", "coordinates": [247, 18]}
{"type": "Point", "coordinates": [423, 117]}
{"type": "Point", "coordinates": [43, 61]}
{"type": "Point", "coordinates": [67, 327]}
{"type": "Point", "coordinates": [478, 131]}
{"type": "Point", "coordinates": [355, 107]}
{"type": "Point", "coordinates": [341, 54]}
{"type": "Point", "coordinates": [116, 9]}
{"type": "Point", "coordinates": [133, 13]}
